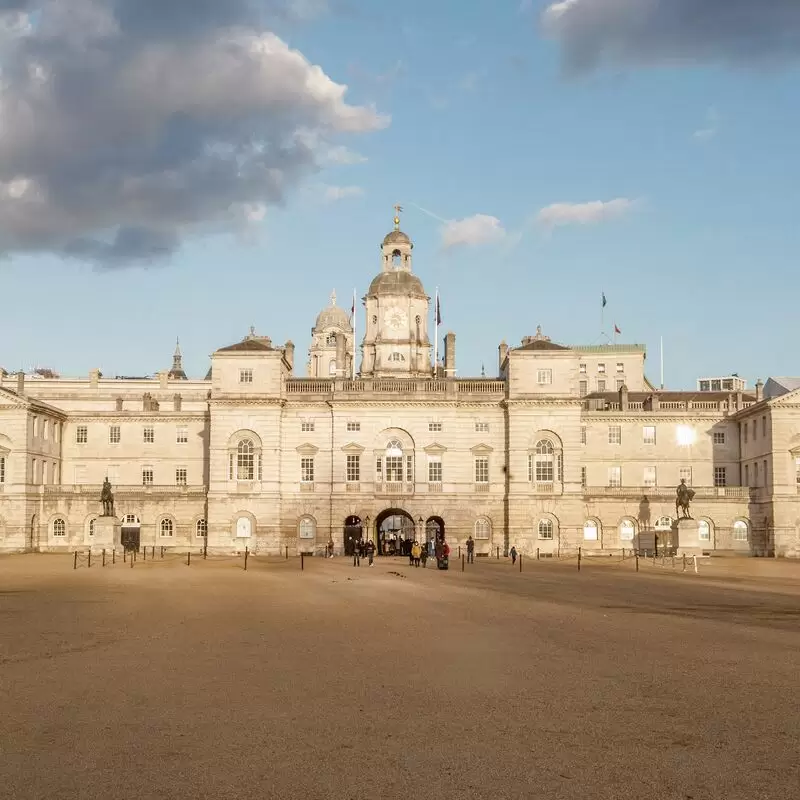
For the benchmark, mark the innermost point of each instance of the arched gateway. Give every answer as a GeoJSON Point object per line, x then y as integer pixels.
{"type": "Point", "coordinates": [395, 530]}
{"type": "Point", "coordinates": [353, 532]}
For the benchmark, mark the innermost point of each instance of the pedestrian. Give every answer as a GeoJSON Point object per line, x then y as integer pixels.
{"type": "Point", "coordinates": [357, 554]}
{"type": "Point", "coordinates": [470, 550]}
{"type": "Point", "coordinates": [416, 553]}
{"type": "Point", "coordinates": [424, 555]}
{"type": "Point", "coordinates": [410, 550]}
{"type": "Point", "coordinates": [371, 552]}
{"type": "Point", "coordinates": [330, 548]}
{"type": "Point", "coordinates": [513, 554]}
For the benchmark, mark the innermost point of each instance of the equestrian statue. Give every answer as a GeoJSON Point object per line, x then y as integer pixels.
{"type": "Point", "coordinates": [107, 499]}
{"type": "Point", "coordinates": [685, 495]}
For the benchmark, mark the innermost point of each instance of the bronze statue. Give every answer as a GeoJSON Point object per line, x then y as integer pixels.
{"type": "Point", "coordinates": [685, 495]}
{"type": "Point", "coordinates": [107, 499]}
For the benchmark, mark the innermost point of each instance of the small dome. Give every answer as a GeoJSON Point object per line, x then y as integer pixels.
{"type": "Point", "coordinates": [396, 282]}
{"type": "Point", "coordinates": [333, 317]}
{"type": "Point", "coordinates": [396, 237]}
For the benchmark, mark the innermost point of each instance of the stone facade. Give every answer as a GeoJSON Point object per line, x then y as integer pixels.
{"type": "Point", "coordinates": [568, 446]}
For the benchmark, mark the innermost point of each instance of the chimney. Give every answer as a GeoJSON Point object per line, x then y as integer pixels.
{"type": "Point", "coordinates": [20, 383]}
{"type": "Point", "coordinates": [288, 352]}
{"type": "Point", "coordinates": [759, 390]}
{"type": "Point", "coordinates": [623, 398]}
{"type": "Point", "coordinates": [502, 355]}
{"type": "Point", "coordinates": [655, 402]}
{"type": "Point", "coordinates": [163, 377]}
{"type": "Point", "coordinates": [341, 344]}
{"type": "Point", "coordinates": [94, 377]}
{"type": "Point", "coordinates": [450, 355]}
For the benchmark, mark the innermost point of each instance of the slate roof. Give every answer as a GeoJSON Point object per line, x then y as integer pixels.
{"type": "Point", "coordinates": [246, 346]}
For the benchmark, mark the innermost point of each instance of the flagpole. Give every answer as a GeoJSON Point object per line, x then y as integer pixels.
{"type": "Point", "coordinates": [662, 362]}
{"type": "Point", "coordinates": [355, 340]}
{"type": "Point", "coordinates": [436, 333]}
{"type": "Point", "coordinates": [602, 313]}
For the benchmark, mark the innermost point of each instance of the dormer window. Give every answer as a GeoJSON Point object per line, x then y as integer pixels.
{"type": "Point", "coordinates": [396, 258]}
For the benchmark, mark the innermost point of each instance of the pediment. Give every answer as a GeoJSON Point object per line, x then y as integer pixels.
{"type": "Point", "coordinates": [481, 449]}
{"type": "Point", "coordinates": [789, 399]}
{"type": "Point", "coordinates": [435, 449]}
{"type": "Point", "coordinates": [9, 399]}
{"type": "Point", "coordinates": [308, 449]}
{"type": "Point", "coordinates": [353, 448]}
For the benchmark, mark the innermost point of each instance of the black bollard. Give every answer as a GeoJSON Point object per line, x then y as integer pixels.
{"type": "Point", "coordinates": [144, 554]}
{"type": "Point", "coordinates": [125, 554]}
{"type": "Point", "coordinates": [637, 560]}
{"type": "Point", "coordinates": [153, 552]}
{"type": "Point", "coordinates": [579, 559]}
{"type": "Point", "coordinates": [189, 558]}
{"type": "Point", "coordinates": [498, 553]}
{"type": "Point", "coordinates": [104, 556]}
{"type": "Point", "coordinates": [114, 556]}
{"type": "Point", "coordinates": [132, 559]}
{"type": "Point", "coordinates": [287, 552]}
{"type": "Point", "coordinates": [520, 562]}
{"type": "Point", "coordinates": [459, 551]}
{"type": "Point", "coordinates": [246, 553]}
{"type": "Point", "coordinates": [537, 554]}
{"type": "Point", "coordinates": [75, 561]}
{"type": "Point", "coordinates": [90, 558]}
{"type": "Point", "coordinates": [462, 562]}
{"type": "Point", "coordinates": [302, 556]}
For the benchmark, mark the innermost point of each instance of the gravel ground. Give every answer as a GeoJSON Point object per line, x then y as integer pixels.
{"type": "Point", "coordinates": [168, 681]}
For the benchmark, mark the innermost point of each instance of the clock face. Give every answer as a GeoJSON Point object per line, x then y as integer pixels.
{"type": "Point", "coordinates": [395, 318]}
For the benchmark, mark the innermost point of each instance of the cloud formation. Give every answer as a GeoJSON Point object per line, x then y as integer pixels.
{"type": "Point", "coordinates": [471, 231]}
{"type": "Point", "coordinates": [334, 193]}
{"type": "Point", "coordinates": [129, 124]}
{"type": "Point", "coordinates": [598, 32]}
{"type": "Point", "coordinates": [559, 214]}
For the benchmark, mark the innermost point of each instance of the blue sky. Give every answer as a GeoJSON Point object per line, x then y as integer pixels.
{"type": "Point", "coordinates": [696, 144]}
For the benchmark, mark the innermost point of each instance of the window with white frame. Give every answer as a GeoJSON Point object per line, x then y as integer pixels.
{"type": "Point", "coordinates": [244, 528]}
{"type": "Point", "coordinates": [2, 469]}
{"type": "Point", "coordinates": [147, 476]}
{"type": "Point", "coordinates": [245, 376]}
{"type": "Point", "coordinates": [167, 528]}
{"type": "Point", "coordinates": [59, 527]}
{"type": "Point", "coordinates": [307, 469]}
{"type": "Point", "coordinates": [601, 368]}
{"type": "Point", "coordinates": [182, 435]}
{"type": "Point", "coordinates": [544, 377]}
{"type": "Point", "coordinates": [332, 367]}
{"type": "Point", "coordinates": [434, 469]}
{"type": "Point", "coordinates": [583, 388]}
{"type": "Point", "coordinates": [649, 434]}
{"type": "Point", "coordinates": [590, 532]}
{"type": "Point", "coordinates": [720, 476]}
{"type": "Point", "coordinates": [583, 434]}
{"type": "Point", "coordinates": [353, 426]}
{"type": "Point", "coordinates": [394, 461]}
{"type": "Point", "coordinates": [482, 469]}
{"type": "Point", "coordinates": [201, 529]}
{"type": "Point", "coordinates": [601, 385]}
{"type": "Point", "coordinates": [149, 435]}
{"type": "Point", "coordinates": [434, 427]}
{"type": "Point", "coordinates": [685, 474]}
{"type": "Point", "coordinates": [353, 466]}
{"type": "Point", "coordinates": [180, 476]}
{"type": "Point", "coordinates": [627, 530]}
{"type": "Point", "coordinates": [615, 476]}
{"type": "Point", "coordinates": [545, 529]}
{"type": "Point", "coordinates": [483, 528]}
{"type": "Point", "coordinates": [740, 530]}
{"type": "Point", "coordinates": [307, 528]}
{"type": "Point", "coordinates": [620, 383]}
{"type": "Point", "coordinates": [583, 477]}
{"type": "Point", "coordinates": [114, 434]}
{"type": "Point", "coordinates": [543, 460]}
{"type": "Point", "coordinates": [245, 460]}
{"type": "Point", "coordinates": [649, 476]}
{"type": "Point", "coordinates": [719, 437]}
{"type": "Point", "coordinates": [481, 427]}
{"type": "Point", "coordinates": [582, 369]}
{"type": "Point", "coordinates": [614, 434]}
{"type": "Point", "coordinates": [379, 469]}
{"type": "Point", "coordinates": [620, 366]}
{"type": "Point", "coordinates": [703, 530]}
{"type": "Point", "coordinates": [307, 426]}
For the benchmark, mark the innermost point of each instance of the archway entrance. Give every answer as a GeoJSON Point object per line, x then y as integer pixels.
{"type": "Point", "coordinates": [353, 533]}
{"type": "Point", "coordinates": [130, 532]}
{"type": "Point", "coordinates": [396, 532]}
{"type": "Point", "coordinates": [434, 532]}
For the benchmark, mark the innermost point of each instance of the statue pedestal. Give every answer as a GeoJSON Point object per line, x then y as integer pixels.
{"type": "Point", "coordinates": [107, 533]}
{"type": "Point", "coordinates": [689, 538]}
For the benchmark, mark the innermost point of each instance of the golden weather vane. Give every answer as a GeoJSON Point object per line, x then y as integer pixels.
{"type": "Point", "coordinates": [398, 209]}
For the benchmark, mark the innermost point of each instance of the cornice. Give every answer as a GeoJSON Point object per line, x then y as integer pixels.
{"type": "Point", "coordinates": [647, 417]}
{"type": "Point", "coordinates": [559, 402]}
{"type": "Point", "coordinates": [154, 416]}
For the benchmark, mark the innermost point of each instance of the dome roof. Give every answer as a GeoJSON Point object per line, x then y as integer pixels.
{"type": "Point", "coordinates": [396, 236]}
{"type": "Point", "coordinates": [333, 317]}
{"type": "Point", "coordinates": [396, 282]}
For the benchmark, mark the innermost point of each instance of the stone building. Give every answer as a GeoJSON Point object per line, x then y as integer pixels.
{"type": "Point", "coordinates": [568, 446]}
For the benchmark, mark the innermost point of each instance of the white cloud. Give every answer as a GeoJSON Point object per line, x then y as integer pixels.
{"type": "Point", "coordinates": [471, 231]}
{"type": "Point", "coordinates": [559, 214]}
{"type": "Point", "coordinates": [334, 193]}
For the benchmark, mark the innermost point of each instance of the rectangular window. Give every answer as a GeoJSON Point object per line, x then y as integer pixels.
{"type": "Point", "coordinates": [34, 426]}
{"type": "Point", "coordinates": [755, 429]}
{"type": "Point", "coordinates": [582, 369]}
{"type": "Point", "coordinates": [797, 470]}
{"type": "Point", "coordinates": [307, 470]}
{"type": "Point", "coordinates": [46, 427]}
{"type": "Point", "coordinates": [583, 477]}
{"type": "Point", "coordinates": [620, 383]}
{"type": "Point", "coordinates": [434, 427]}
{"type": "Point", "coordinates": [649, 476]}
{"type": "Point", "coordinates": [583, 434]}
{"type": "Point", "coordinates": [180, 476]}
{"type": "Point", "coordinates": [353, 426]}
{"type": "Point", "coordinates": [755, 473]}
{"type": "Point", "coordinates": [620, 367]}
{"type": "Point", "coordinates": [720, 476]}
{"type": "Point", "coordinates": [685, 474]}
{"type": "Point", "coordinates": [744, 432]}
{"type": "Point", "coordinates": [410, 469]}
{"type": "Point", "coordinates": [307, 426]}
{"type": "Point", "coordinates": [649, 434]}
{"type": "Point", "coordinates": [114, 434]}
{"type": "Point", "coordinates": [81, 434]}
{"type": "Point", "coordinates": [615, 476]}
{"type": "Point", "coordinates": [149, 435]}
{"type": "Point", "coordinates": [601, 385]}
{"type": "Point", "coordinates": [245, 376]}
{"type": "Point", "coordinates": [614, 434]}
{"type": "Point", "coordinates": [763, 427]}
{"type": "Point", "coordinates": [2, 469]}
{"type": "Point", "coordinates": [601, 368]}
{"type": "Point", "coordinates": [353, 468]}
{"type": "Point", "coordinates": [544, 377]}
{"type": "Point", "coordinates": [765, 472]}
{"type": "Point", "coordinates": [719, 437]}
{"type": "Point", "coordinates": [482, 469]}
{"type": "Point", "coordinates": [746, 474]}
{"type": "Point", "coordinates": [147, 476]}
{"type": "Point", "coordinates": [182, 435]}
{"type": "Point", "coordinates": [481, 427]}
{"type": "Point", "coordinates": [583, 388]}
{"type": "Point", "coordinates": [434, 469]}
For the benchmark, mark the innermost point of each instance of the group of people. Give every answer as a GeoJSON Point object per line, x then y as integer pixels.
{"type": "Point", "coordinates": [364, 549]}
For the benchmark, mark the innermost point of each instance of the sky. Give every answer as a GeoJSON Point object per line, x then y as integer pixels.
{"type": "Point", "coordinates": [191, 168]}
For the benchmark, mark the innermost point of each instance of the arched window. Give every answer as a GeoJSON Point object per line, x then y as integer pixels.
{"type": "Point", "coordinates": [59, 527]}
{"type": "Point", "coordinates": [130, 521]}
{"type": "Point", "coordinates": [483, 528]}
{"type": "Point", "coordinates": [330, 340]}
{"type": "Point", "coordinates": [396, 357]}
{"type": "Point", "coordinates": [590, 531]}
{"type": "Point", "coordinates": [663, 524]}
{"type": "Point", "coordinates": [627, 530]}
{"type": "Point", "coordinates": [703, 530]}
{"type": "Point", "coordinates": [245, 460]}
{"type": "Point", "coordinates": [244, 527]}
{"type": "Point", "coordinates": [201, 528]}
{"type": "Point", "coordinates": [91, 527]}
{"type": "Point", "coordinates": [307, 528]}
{"type": "Point", "coordinates": [740, 531]}
{"type": "Point", "coordinates": [543, 462]}
{"type": "Point", "coordinates": [394, 461]}
{"type": "Point", "coordinates": [332, 367]}
{"type": "Point", "coordinates": [545, 529]}
{"type": "Point", "coordinates": [396, 258]}
{"type": "Point", "coordinates": [167, 528]}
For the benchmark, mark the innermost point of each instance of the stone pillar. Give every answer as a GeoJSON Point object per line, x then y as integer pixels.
{"type": "Point", "coordinates": [107, 533]}
{"type": "Point", "coordinates": [689, 538]}
{"type": "Point", "coordinates": [341, 352]}
{"type": "Point", "coordinates": [623, 398]}
{"type": "Point", "coordinates": [163, 377]}
{"type": "Point", "coordinates": [739, 401]}
{"type": "Point", "coordinates": [288, 351]}
{"type": "Point", "coordinates": [177, 402]}
{"type": "Point", "coordinates": [94, 378]}
{"type": "Point", "coordinates": [20, 383]}
{"type": "Point", "coordinates": [450, 355]}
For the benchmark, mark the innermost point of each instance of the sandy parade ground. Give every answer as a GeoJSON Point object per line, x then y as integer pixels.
{"type": "Point", "coordinates": [170, 680]}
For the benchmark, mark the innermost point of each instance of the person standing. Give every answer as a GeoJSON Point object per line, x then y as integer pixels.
{"type": "Point", "coordinates": [470, 550]}
{"type": "Point", "coordinates": [513, 554]}
{"type": "Point", "coordinates": [424, 555]}
{"type": "Point", "coordinates": [416, 553]}
{"type": "Point", "coordinates": [357, 554]}
{"type": "Point", "coordinates": [371, 552]}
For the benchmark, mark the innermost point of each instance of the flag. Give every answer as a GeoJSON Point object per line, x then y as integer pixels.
{"type": "Point", "coordinates": [616, 329]}
{"type": "Point", "coordinates": [438, 312]}
{"type": "Point", "coordinates": [604, 299]}
{"type": "Point", "coordinates": [353, 307]}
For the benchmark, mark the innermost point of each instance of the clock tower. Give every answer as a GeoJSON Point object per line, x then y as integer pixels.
{"type": "Point", "coordinates": [396, 342]}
